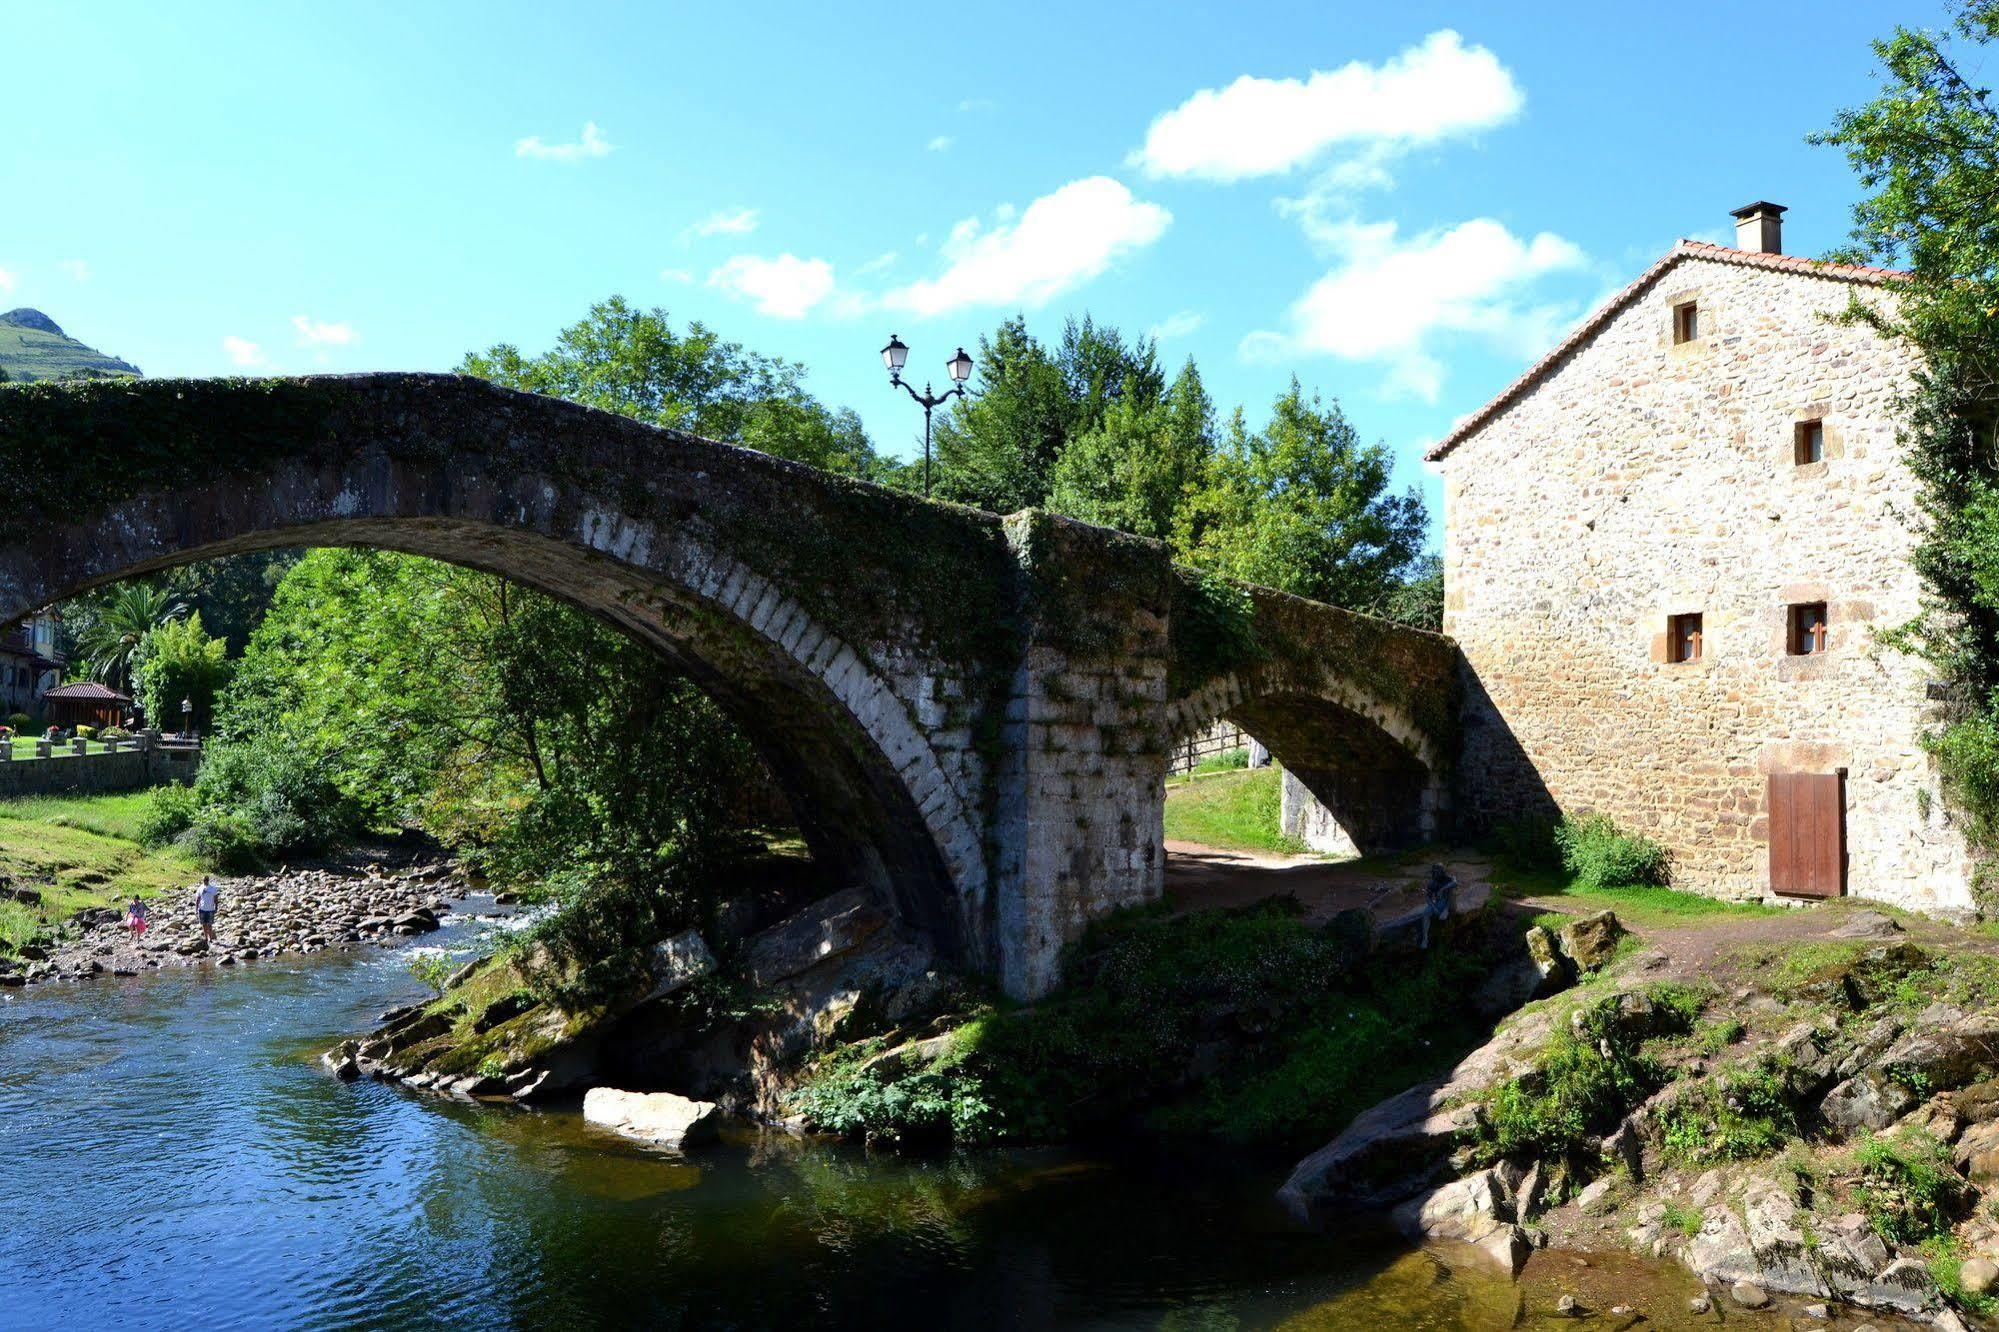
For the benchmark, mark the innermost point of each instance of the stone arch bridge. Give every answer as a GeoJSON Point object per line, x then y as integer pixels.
{"type": "Point", "coordinates": [971, 715]}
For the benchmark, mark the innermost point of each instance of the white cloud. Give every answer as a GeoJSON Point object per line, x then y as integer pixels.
{"type": "Point", "coordinates": [592, 144]}
{"type": "Point", "coordinates": [242, 351]}
{"type": "Point", "coordinates": [1058, 242]}
{"type": "Point", "coordinates": [939, 144]}
{"type": "Point", "coordinates": [878, 263]}
{"type": "Point", "coordinates": [723, 222]}
{"type": "Point", "coordinates": [1387, 300]}
{"type": "Point", "coordinates": [675, 275]}
{"type": "Point", "coordinates": [1176, 325]}
{"type": "Point", "coordinates": [318, 333]}
{"type": "Point", "coordinates": [76, 268]}
{"type": "Point", "coordinates": [977, 104]}
{"type": "Point", "coordinates": [1257, 127]}
{"type": "Point", "coordinates": [786, 287]}
{"type": "Point", "coordinates": [7, 280]}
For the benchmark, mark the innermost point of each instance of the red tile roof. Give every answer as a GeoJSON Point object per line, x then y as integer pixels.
{"type": "Point", "coordinates": [88, 689]}
{"type": "Point", "coordinates": [1686, 249]}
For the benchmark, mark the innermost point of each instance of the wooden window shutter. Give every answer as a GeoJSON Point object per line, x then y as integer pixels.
{"type": "Point", "coordinates": [1807, 834]}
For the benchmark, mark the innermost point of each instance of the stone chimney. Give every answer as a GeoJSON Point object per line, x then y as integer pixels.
{"type": "Point", "coordinates": [1759, 228]}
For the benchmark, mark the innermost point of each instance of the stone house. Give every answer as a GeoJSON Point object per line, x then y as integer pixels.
{"type": "Point", "coordinates": [1668, 548]}
{"type": "Point", "coordinates": [30, 663]}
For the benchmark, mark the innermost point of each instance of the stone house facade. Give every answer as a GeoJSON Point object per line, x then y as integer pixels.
{"type": "Point", "coordinates": [1668, 549]}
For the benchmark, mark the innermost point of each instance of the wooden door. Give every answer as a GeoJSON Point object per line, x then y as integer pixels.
{"type": "Point", "coordinates": [1807, 834]}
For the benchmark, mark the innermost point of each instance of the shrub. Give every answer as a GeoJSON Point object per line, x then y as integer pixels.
{"type": "Point", "coordinates": [1588, 1079]}
{"type": "Point", "coordinates": [171, 812]}
{"type": "Point", "coordinates": [1600, 855]}
{"type": "Point", "coordinates": [86, 732]}
{"type": "Point", "coordinates": [1909, 1188]}
{"type": "Point", "coordinates": [20, 721]}
{"type": "Point", "coordinates": [218, 840]}
{"type": "Point", "coordinates": [1740, 1114]}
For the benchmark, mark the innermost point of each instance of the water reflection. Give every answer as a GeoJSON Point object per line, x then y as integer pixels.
{"type": "Point", "coordinates": [175, 1157]}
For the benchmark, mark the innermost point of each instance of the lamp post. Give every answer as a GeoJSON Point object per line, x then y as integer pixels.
{"type": "Point", "coordinates": [187, 717]}
{"type": "Point", "coordinates": [959, 367]}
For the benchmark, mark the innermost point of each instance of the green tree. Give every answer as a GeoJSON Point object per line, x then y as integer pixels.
{"type": "Point", "coordinates": [635, 363]}
{"type": "Point", "coordinates": [176, 663]}
{"type": "Point", "coordinates": [1304, 506]}
{"type": "Point", "coordinates": [116, 623]}
{"type": "Point", "coordinates": [1141, 466]}
{"type": "Point", "coordinates": [1418, 600]}
{"type": "Point", "coordinates": [1927, 150]}
{"type": "Point", "coordinates": [998, 449]}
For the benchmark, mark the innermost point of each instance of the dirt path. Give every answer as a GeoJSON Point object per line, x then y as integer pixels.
{"type": "Point", "coordinates": [1202, 878]}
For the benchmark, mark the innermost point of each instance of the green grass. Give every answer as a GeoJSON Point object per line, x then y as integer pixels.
{"type": "Point", "coordinates": [1237, 811]}
{"type": "Point", "coordinates": [1638, 907]}
{"type": "Point", "coordinates": [79, 852]}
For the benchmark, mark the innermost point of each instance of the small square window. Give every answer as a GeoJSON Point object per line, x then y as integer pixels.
{"type": "Point", "coordinates": [1686, 322]}
{"type": "Point", "coordinates": [1809, 442]}
{"type": "Point", "coordinates": [1807, 628]}
{"type": "Point", "coordinates": [1683, 638]}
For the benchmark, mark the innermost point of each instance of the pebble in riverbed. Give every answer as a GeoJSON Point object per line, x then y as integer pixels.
{"type": "Point", "coordinates": [294, 911]}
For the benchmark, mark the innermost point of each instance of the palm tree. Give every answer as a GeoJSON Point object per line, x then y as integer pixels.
{"type": "Point", "coordinates": [119, 625]}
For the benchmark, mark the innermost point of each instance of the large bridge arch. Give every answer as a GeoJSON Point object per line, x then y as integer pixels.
{"type": "Point", "coordinates": [692, 547]}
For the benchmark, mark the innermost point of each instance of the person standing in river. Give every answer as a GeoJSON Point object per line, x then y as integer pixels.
{"type": "Point", "coordinates": [207, 898]}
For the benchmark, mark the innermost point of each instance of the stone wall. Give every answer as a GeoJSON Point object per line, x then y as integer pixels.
{"type": "Point", "coordinates": [1300, 814]}
{"type": "Point", "coordinates": [1639, 480]}
{"type": "Point", "coordinates": [99, 770]}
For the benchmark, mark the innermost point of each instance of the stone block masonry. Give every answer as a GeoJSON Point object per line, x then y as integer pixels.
{"type": "Point", "coordinates": [1634, 479]}
{"type": "Point", "coordinates": [969, 716]}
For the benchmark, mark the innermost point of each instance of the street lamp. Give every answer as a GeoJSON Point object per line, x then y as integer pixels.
{"type": "Point", "coordinates": [187, 717]}
{"type": "Point", "coordinates": [959, 367]}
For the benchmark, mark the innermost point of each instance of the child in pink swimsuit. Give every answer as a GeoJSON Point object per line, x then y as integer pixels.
{"type": "Point", "coordinates": [135, 919]}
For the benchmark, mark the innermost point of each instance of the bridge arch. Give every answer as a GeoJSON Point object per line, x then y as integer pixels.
{"type": "Point", "coordinates": [700, 550]}
{"type": "Point", "coordinates": [1360, 712]}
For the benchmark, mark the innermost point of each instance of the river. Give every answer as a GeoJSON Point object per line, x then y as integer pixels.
{"type": "Point", "coordinates": [175, 1157]}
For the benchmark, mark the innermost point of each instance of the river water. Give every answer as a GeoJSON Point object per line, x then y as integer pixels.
{"type": "Point", "coordinates": [175, 1157]}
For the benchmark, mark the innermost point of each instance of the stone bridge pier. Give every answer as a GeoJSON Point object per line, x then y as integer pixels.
{"type": "Point", "coordinates": [971, 716]}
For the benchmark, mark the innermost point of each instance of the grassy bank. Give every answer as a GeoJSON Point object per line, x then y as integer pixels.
{"type": "Point", "coordinates": [1640, 906]}
{"type": "Point", "coordinates": [1233, 810]}
{"type": "Point", "coordinates": [1247, 1026]}
{"type": "Point", "coordinates": [78, 852]}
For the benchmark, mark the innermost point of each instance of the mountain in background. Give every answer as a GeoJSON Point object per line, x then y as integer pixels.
{"type": "Point", "coordinates": [33, 347]}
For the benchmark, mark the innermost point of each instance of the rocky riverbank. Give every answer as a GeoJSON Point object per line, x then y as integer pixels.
{"type": "Point", "coordinates": [1809, 1108]}
{"type": "Point", "coordinates": [374, 895]}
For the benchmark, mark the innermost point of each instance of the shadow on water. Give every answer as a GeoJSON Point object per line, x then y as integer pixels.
{"type": "Point", "coordinates": [175, 1156]}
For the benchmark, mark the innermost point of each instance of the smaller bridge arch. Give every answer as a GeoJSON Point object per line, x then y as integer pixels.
{"type": "Point", "coordinates": [1361, 712]}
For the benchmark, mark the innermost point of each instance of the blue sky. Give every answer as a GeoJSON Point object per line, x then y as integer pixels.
{"type": "Point", "coordinates": [1402, 205]}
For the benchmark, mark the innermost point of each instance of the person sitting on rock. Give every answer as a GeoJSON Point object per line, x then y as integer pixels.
{"type": "Point", "coordinates": [135, 919]}
{"type": "Point", "coordinates": [1439, 899]}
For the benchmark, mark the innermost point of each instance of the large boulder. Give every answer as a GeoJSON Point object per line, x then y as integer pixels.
{"type": "Point", "coordinates": [661, 1118]}
{"type": "Point", "coordinates": [1402, 1145]}
{"type": "Point", "coordinates": [1467, 1209]}
{"type": "Point", "coordinates": [826, 929]}
{"type": "Point", "coordinates": [677, 963]}
{"type": "Point", "coordinates": [1592, 941]}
